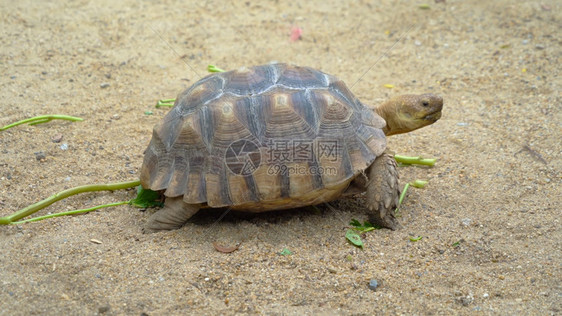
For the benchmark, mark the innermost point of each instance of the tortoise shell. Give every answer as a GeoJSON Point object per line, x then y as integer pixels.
{"type": "Point", "coordinates": [275, 136]}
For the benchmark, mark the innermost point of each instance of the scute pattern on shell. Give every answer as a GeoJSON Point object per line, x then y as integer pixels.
{"type": "Point", "coordinates": [266, 105]}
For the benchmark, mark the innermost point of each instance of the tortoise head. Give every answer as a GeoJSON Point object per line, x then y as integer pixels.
{"type": "Point", "coordinates": [409, 112]}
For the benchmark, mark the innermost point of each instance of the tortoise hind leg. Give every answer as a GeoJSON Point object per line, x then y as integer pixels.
{"type": "Point", "coordinates": [173, 215]}
{"type": "Point", "coordinates": [383, 191]}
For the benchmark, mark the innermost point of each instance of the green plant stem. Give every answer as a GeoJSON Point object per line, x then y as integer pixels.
{"type": "Point", "coordinates": [419, 184]}
{"type": "Point", "coordinates": [414, 160]}
{"type": "Point", "coordinates": [213, 68]}
{"type": "Point", "coordinates": [64, 194]}
{"type": "Point", "coordinates": [42, 119]}
{"type": "Point", "coordinates": [38, 218]}
{"type": "Point", "coordinates": [402, 196]}
{"type": "Point", "coordinates": [165, 103]}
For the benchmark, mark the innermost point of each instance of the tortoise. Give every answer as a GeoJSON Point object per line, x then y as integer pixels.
{"type": "Point", "coordinates": [273, 137]}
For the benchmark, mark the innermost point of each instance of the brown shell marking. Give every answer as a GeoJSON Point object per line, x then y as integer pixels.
{"type": "Point", "coordinates": [278, 108]}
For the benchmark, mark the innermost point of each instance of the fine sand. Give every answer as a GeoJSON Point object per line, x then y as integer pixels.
{"type": "Point", "coordinates": [489, 216]}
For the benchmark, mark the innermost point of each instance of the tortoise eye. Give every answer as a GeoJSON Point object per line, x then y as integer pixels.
{"type": "Point", "coordinates": [425, 103]}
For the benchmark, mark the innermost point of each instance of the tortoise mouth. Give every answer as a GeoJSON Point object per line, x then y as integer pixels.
{"type": "Point", "coordinates": [432, 116]}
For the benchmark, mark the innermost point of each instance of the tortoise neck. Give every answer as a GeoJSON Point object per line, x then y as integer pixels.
{"type": "Point", "coordinates": [387, 112]}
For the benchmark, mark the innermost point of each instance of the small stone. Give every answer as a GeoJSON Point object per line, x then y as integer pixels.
{"type": "Point", "coordinates": [95, 241]}
{"type": "Point", "coordinates": [108, 75]}
{"type": "Point", "coordinates": [57, 138]}
{"type": "Point", "coordinates": [466, 221]}
{"type": "Point", "coordinates": [104, 85]}
{"type": "Point", "coordinates": [373, 284]}
{"type": "Point", "coordinates": [525, 42]}
{"type": "Point", "coordinates": [485, 295]}
{"type": "Point", "coordinates": [466, 300]}
{"type": "Point", "coordinates": [417, 43]}
{"type": "Point", "coordinates": [462, 124]}
{"type": "Point", "coordinates": [40, 155]}
{"type": "Point", "coordinates": [103, 309]}
{"type": "Point", "coordinates": [64, 146]}
{"type": "Point", "coordinates": [539, 46]}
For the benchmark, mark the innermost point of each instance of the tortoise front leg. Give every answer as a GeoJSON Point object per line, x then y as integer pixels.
{"type": "Point", "coordinates": [173, 215]}
{"type": "Point", "coordinates": [383, 191]}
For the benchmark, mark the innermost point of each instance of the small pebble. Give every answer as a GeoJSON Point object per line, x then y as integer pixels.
{"type": "Point", "coordinates": [485, 295]}
{"type": "Point", "coordinates": [525, 42]}
{"type": "Point", "coordinates": [466, 221]}
{"type": "Point", "coordinates": [40, 155]}
{"type": "Point", "coordinates": [462, 124]}
{"type": "Point", "coordinates": [103, 309]}
{"type": "Point", "coordinates": [64, 146]}
{"type": "Point", "coordinates": [57, 138]}
{"type": "Point", "coordinates": [417, 43]}
{"type": "Point", "coordinates": [373, 284]}
{"type": "Point", "coordinates": [95, 241]}
{"type": "Point", "coordinates": [104, 85]}
{"type": "Point", "coordinates": [539, 46]}
{"type": "Point", "coordinates": [466, 300]}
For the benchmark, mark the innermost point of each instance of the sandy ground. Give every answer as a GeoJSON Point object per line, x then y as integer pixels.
{"type": "Point", "coordinates": [489, 217]}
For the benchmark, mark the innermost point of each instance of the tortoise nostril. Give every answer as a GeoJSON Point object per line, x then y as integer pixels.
{"type": "Point", "coordinates": [425, 103]}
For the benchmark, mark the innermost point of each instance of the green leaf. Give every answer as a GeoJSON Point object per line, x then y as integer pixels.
{"type": "Point", "coordinates": [146, 198]}
{"type": "Point", "coordinates": [286, 252]}
{"type": "Point", "coordinates": [368, 225]}
{"type": "Point", "coordinates": [354, 238]}
{"type": "Point", "coordinates": [456, 244]}
{"type": "Point", "coordinates": [362, 228]}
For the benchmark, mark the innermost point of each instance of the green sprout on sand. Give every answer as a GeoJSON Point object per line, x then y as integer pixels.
{"type": "Point", "coordinates": [42, 119]}
{"type": "Point", "coordinates": [353, 235]}
{"type": "Point", "coordinates": [144, 199]}
{"type": "Point", "coordinates": [165, 103]}
{"type": "Point", "coordinates": [405, 160]}
{"type": "Point", "coordinates": [213, 68]}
